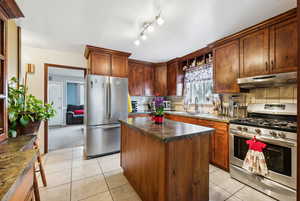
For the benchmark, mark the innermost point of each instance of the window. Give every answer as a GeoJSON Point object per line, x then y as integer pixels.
{"type": "Point", "coordinates": [198, 84]}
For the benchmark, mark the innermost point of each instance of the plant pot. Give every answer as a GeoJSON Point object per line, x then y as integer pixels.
{"type": "Point", "coordinates": [159, 119]}
{"type": "Point", "coordinates": [31, 128]}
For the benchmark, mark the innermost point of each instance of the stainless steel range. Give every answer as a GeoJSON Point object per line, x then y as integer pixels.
{"type": "Point", "coordinates": [276, 126]}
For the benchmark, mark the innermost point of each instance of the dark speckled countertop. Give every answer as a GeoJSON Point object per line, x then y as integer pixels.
{"type": "Point", "coordinates": [15, 160]}
{"type": "Point", "coordinates": [211, 117]}
{"type": "Point", "coordinates": [169, 130]}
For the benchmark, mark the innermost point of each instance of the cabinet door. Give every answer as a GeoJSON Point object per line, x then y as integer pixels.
{"type": "Point", "coordinates": [171, 78]}
{"type": "Point", "coordinates": [136, 79]}
{"type": "Point", "coordinates": [119, 66]}
{"type": "Point", "coordinates": [283, 46]}
{"type": "Point", "coordinates": [149, 81]}
{"type": "Point", "coordinates": [254, 51]}
{"type": "Point", "coordinates": [161, 80]}
{"type": "Point", "coordinates": [226, 68]}
{"type": "Point", "coordinates": [100, 63]}
{"type": "Point", "coordinates": [220, 149]}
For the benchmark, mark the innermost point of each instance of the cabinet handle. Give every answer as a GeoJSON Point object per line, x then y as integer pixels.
{"type": "Point", "coordinates": [272, 64]}
{"type": "Point", "coordinates": [266, 66]}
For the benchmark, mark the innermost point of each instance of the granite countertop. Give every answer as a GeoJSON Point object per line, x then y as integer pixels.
{"type": "Point", "coordinates": [15, 160]}
{"type": "Point", "coordinates": [211, 117]}
{"type": "Point", "coordinates": [168, 131]}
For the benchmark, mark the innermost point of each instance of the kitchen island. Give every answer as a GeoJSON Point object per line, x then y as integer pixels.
{"type": "Point", "coordinates": [167, 162]}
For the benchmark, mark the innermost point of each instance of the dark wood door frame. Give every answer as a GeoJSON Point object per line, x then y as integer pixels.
{"type": "Point", "coordinates": [46, 70]}
{"type": "Point", "coordinates": [298, 106]}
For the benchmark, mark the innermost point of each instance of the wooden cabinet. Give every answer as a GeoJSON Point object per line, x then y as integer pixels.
{"type": "Point", "coordinates": [160, 84]}
{"type": "Point", "coordinates": [103, 61]}
{"type": "Point", "coordinates": [283, 46]}
{"type": "Point", "coordinates": [174, 78]}
{"type": "Point", "coordinates": [219, 140]}
{"type": "Point", "coordinates": [226, 68]}
{"type": "Point", "coordinates": [140, 78]}
{"type": "Point", "coordinates": [136, 79]}
{"type": "Point", "coordinates": [254, 50]}
{"type": "Point", "coordinates": [119, 66]}
{"type": "Point", "coordinates": [100, 63]}
{"type": "Point", "coordinates": [149, 81]}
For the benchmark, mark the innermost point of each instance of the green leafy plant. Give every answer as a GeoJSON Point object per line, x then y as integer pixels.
{"type": "Point", "coordinates": [24, 108]}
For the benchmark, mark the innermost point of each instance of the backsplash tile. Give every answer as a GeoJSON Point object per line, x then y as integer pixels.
{"type": "Point", "coordinates": [284, 94]}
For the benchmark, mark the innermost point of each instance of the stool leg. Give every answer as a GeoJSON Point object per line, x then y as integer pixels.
{"type": "Point", "coordinates": [36, 188]}
{"type": "Point", "coordinates": [41, 168]}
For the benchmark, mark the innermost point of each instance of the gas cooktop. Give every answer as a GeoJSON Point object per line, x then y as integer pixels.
{"type": "Point", "coordinates": [283, 125]}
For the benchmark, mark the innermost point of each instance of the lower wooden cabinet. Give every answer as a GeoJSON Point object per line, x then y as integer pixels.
{"type": "Point", "coordinates": [219, 140]}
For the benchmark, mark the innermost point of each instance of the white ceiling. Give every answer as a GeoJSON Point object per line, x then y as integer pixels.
{"type": "Point", "coordinates": [189, 24]}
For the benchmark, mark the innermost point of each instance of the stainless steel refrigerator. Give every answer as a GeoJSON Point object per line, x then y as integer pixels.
{"type": "Point", "coordinates": [106, 104]}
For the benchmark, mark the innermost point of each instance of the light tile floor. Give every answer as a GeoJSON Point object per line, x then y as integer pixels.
{"type": "Point", "coordinates": [72, 178]}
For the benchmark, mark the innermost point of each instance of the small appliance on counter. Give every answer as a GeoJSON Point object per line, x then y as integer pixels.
{"type": "Point", "coordinates": [167, 105]}
{"type": "Point", "coordinates": [134, 105]}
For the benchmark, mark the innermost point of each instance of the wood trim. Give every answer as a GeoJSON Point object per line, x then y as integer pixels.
{"type": "Point", "coordinates": [19, 29]}
{"type": "Point", "coordinates": [11, 9]}
{"type": "Point", "coordinates": [140, 62]}
{"type": "Point", "coordinates": [177, 59]}
{"type": "Point", "coordinates": [46, 70]}
{"type": "Point", "coordinates": [264, 24]}
{"type": "Point", "coordinates": [89, 48]}
{"type": "Point", "coordinates": [298, 102]}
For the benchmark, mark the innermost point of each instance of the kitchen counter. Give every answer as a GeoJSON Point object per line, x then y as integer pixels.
{"type": "Point", "coordinates": [168, 131]}
{"type": "Point", "coordinates": [15, 160]}
{"type": "Point", "coordinates": [168, 161]}
{"type": "Point", "coordinates": [211, 117]}
{"type": "Point", "coordinates": [139, 112]}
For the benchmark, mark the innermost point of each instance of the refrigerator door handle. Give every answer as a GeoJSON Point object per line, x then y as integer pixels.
{"type": "Point", "coordinates": [109, 99]}
{"type": "Point", "coordinates": [107, 127]}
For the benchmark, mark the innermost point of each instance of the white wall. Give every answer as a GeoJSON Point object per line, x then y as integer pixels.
{"type": "Point", "coordinates": [39, 57]}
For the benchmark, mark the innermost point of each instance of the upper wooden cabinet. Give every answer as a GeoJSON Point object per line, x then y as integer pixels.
{"type": "Point", "coordinates": [103, 61]}
{"type": "Point", "coordinates": [283, 46]}
{"type": "Point", "coordinates": [174, 78]}
{"type": "Point", "coordinates": [99, 63]}
{"type": "Point", "coordinates": [140, 78]}
{"type": "Point", "coordinates": [119, 66]}
{"type": "Point", "coordinates": [160, 84]}
{"type": "Point", "coordinates": [226, 68]}
{"type": "Point", "coordinates": [149, 80]}
{"type": "Point", "coordinates": [254, 50]}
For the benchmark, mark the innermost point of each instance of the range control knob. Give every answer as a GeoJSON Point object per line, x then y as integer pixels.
{"type": "Point", "coordinates": [282, 135]}
{"type": "Point", "coordinates": [274, 134]}
{"type": "Point", "coordinates": [258, 131]}
{"type": "Point", "coordinates": [245, 129]}
{"type": "Point", "coordinates": [239, 128]}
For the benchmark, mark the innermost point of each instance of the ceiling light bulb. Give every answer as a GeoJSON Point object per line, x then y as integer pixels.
{"type": "Point", "coordinates": [137, 42]}
{"type": "Point", "coordinates": [143, 37]}
{"type": "Point", "coordinates": [150, 28]}
{"type": "Point", "coordinates": [160, 21]}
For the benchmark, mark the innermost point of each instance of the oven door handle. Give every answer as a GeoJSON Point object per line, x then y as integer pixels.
{"type": "Point", "coordinates": [269, 140]}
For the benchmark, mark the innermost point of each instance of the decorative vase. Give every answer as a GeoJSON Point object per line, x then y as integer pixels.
{"type": "Point", "coordinates": [159, 119]}
{"type": "Point", "coordinates": [31, 128]}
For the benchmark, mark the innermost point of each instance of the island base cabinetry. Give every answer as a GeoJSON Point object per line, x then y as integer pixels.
{"type": "Point", "coordinates": [166, 171]}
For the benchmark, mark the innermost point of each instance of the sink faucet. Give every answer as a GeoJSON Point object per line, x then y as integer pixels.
{"type": "Point", "coordinates": [196, 105]}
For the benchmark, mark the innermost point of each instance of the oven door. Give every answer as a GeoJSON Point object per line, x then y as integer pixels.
{"type": "Point", "coordinates": [280, 157]}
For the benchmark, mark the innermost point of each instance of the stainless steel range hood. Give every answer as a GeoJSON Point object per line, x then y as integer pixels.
{"type": "Point", "coordinates": [272, 80]}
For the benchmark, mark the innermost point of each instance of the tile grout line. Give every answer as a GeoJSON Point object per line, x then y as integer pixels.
{"type": "Point", "coordinates": [105, 180]}
{"type": "Point", "coordinates": [71, 182]}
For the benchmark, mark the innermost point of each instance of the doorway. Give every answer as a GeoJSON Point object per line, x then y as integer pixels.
{"type": "Point", "coordinates": [64, 88]}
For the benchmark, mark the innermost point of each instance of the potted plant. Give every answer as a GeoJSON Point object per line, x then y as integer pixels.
{"type": "Point", "coordinates": [25, 111]}
{"type": "Point", "coordinates": [158, 114]}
